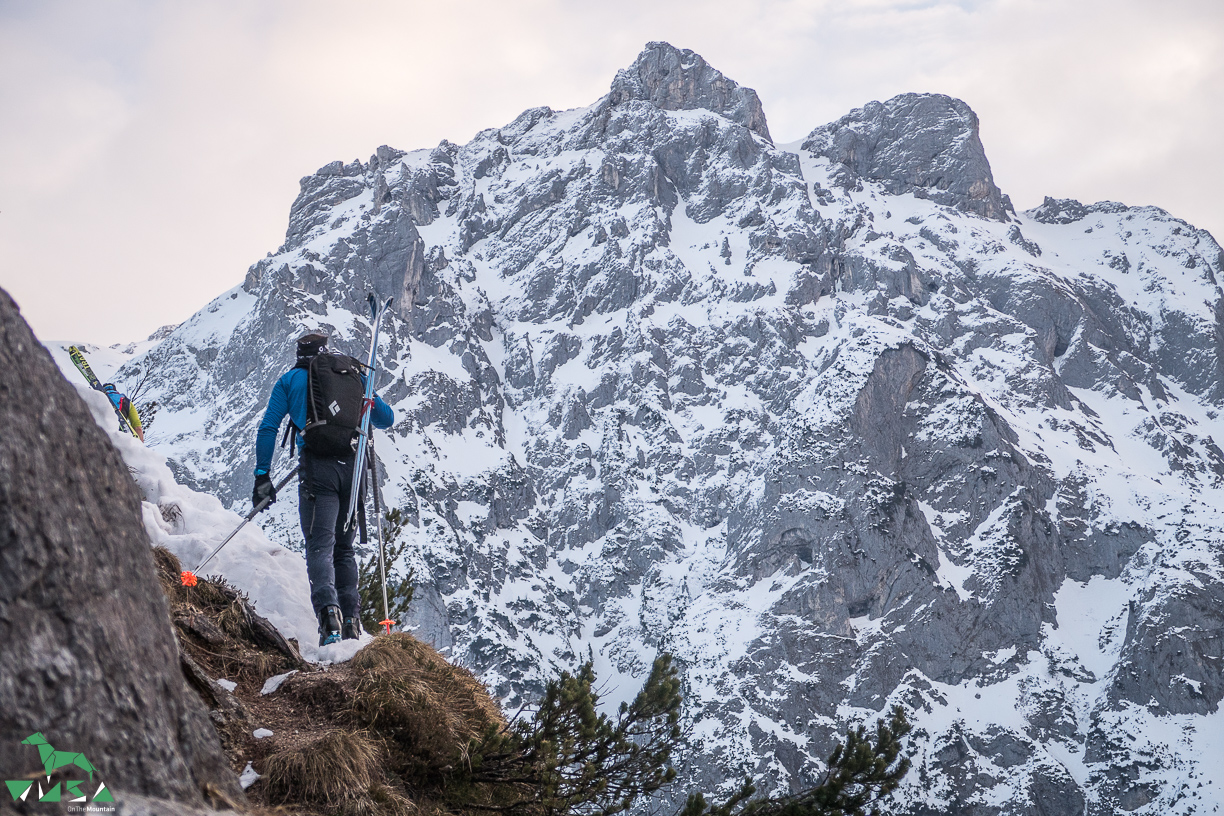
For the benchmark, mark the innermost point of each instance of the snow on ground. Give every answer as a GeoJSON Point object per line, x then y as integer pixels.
{"type": "Point", "coordinates": [271, 685]}
{"type": "Point", "coordinates": [249, 776]}
{"type": "Point", "coordinates": [192, 524]}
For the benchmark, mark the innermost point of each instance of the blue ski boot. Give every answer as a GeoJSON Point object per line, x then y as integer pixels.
{"type": "Point", "coordinates": [329, 625]}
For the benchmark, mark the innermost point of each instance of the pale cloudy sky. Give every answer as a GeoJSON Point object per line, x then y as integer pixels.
{"type": "Point", "coordinates": [150, 149]}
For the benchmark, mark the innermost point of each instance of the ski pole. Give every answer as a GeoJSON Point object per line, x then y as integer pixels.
{"type": "Point", "coordinates": [189, 576]}
{"type": "Point", "coordinates": [382, 567]}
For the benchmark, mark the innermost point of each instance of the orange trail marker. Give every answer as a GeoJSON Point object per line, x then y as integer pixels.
{"type": "Point", "coordinates": [388, 624]}
{"type": "Point", "coordinates": [189, 579]}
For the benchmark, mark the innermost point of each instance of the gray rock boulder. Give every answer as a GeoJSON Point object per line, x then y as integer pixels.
{"type": "Point", "coordinates": [89, 658]}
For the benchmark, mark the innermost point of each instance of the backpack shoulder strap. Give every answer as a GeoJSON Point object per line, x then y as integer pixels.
{"type": "Point", "coordinates": [290, 430]}
{"type": "Point", "coordinates": [310, 366]}
{"type": "Point", "coordinates": [312, 410]}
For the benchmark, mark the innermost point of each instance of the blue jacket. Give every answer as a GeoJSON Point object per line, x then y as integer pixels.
{"type": "Point", "coordinates": [289, 398]}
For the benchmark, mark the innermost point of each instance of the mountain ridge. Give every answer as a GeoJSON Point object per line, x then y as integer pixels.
{"type": "Point", "coordinates": [836, 428]}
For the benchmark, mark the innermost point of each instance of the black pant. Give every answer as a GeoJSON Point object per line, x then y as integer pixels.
{"type": "Point", "coordinates": [324, 486]}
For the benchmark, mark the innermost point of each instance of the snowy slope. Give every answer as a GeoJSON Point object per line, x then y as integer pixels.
{"type": "Point", "coordinates": [830, 422]}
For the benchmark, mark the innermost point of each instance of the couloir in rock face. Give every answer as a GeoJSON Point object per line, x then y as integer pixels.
{"type": "Point", "coordinates": [89, 657]}
{"type": "Point", "coordinates": [830, 423]}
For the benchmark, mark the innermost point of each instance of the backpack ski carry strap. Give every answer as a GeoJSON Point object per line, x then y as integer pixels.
{"type": "Point", "coordinates": [377, 310]}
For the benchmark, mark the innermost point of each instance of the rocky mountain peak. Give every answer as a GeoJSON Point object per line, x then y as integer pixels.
{"type": "Point", "coordinates": [925, 144]}
{"type": "Point", "coordinates": [673, 79]}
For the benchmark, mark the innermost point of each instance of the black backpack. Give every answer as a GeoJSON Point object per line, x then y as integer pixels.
{"type": "Point", "coordinates": [334, 394]}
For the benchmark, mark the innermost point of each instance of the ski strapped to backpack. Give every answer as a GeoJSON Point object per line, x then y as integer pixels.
{"type": "Point", "coordinates": [377, 310]}
{"type": "Point", "coordinates": [78, 359]}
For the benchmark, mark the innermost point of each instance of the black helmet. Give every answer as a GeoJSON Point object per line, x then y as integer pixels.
{"type": "Point", "coordinates": [310, 344]}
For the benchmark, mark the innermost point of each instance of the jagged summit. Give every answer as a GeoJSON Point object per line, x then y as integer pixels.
{"type": "Point", "coordinates": [926, 144]}
{"type": "Point", "coordinates": [675, 79]}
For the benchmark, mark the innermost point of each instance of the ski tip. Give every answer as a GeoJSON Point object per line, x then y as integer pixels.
{"type": "Point", "coordinates": [189, 578]}
{"type": "Point", "coordinates": [377, 304]}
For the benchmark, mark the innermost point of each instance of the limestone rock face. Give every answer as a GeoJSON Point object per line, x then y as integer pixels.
{"type": "Point", "coordinates": [672, 79]}
{"type": "Point", "coordinates": [89, 656]}
{"type": "Point", "coordinates": [926, 144]}
{"type": "Point", "coordinates": [831, 425]}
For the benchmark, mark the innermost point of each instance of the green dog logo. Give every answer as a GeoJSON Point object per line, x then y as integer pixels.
{"type": "Point", "coordinates": [52, 760]}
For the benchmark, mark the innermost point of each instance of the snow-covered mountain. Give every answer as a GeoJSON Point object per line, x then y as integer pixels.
{"type": "Point", "coordinates": [830, 422]}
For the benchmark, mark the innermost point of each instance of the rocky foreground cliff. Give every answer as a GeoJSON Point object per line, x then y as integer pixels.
{"type": "Point", "coordinates": [830, 422]}
{"type": "Point", "coordinates": [89, 655]}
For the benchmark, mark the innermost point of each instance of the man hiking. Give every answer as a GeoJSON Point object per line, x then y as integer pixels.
{"type": "Point", "coordinates": [322, 397]}
{"type": "Point", "coordinates": [129, 417]}
{"type": "Point", "coordinates": [125, 408]}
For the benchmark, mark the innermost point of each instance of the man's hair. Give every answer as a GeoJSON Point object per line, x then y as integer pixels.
{"type": "Point", "coordinates": [309, 344]}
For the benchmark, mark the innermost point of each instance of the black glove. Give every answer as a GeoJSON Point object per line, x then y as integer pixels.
{"type": "Point", "coordinates": [264, 489]}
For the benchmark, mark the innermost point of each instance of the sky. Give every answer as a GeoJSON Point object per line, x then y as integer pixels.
{"type": "Point", "coordinates": [150, 149]}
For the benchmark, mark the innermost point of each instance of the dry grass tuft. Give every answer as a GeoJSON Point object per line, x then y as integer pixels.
{"type": "Point", "coordinates": [379, 800]}
{"type": "Point", "coordinates": [209, 595]}
{"type": "Point", "coordinates": [320, 693]}
{"type": "Point", "coordinates": [338, 766]}
{"type": "Point", "coordinates": [231, 620]}
{"type": "Point", "coordinates": [169, 575]}
{"type": "Point", "coordinates": [408, 692]}
{"type": "Point", "coordinates": [255, 667]}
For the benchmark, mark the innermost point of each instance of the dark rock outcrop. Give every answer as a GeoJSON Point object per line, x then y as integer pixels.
{"type": "Point", "coordinates": [925, 144]}
{"type": "Point", "coordinates": [89, 655]}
